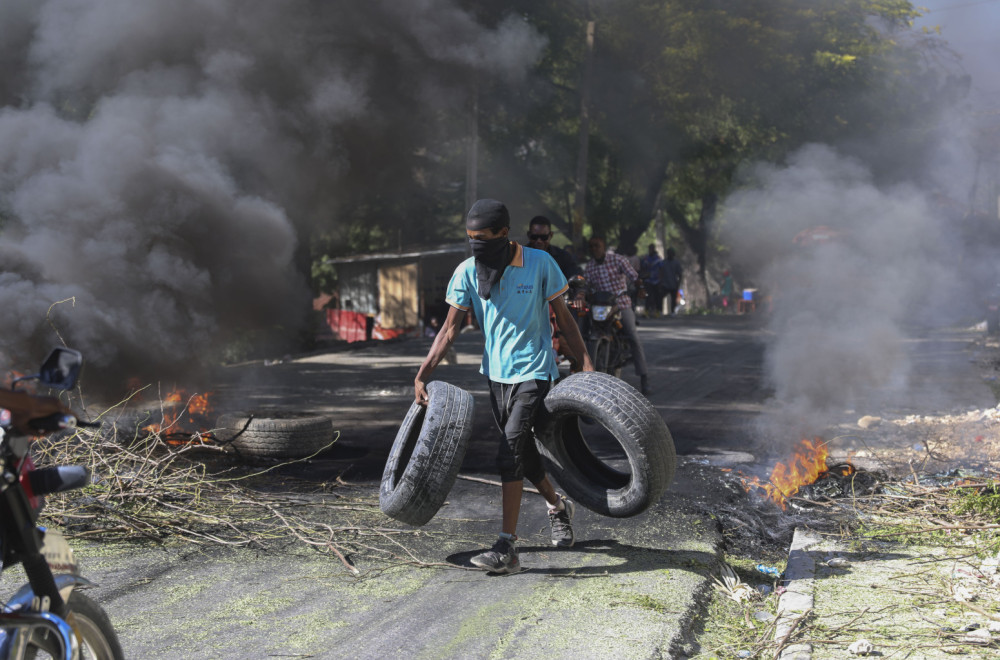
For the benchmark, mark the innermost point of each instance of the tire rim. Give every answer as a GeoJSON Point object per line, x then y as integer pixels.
{"type": "Point", "coordinates": [92, 642]}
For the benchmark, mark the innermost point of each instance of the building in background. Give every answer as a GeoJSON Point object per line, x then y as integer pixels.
{"type": "Point", "coordinates": [390, 294]}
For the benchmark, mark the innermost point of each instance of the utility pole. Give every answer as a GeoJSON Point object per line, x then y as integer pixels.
{"type": "Point", "coordinates": [580, 199]}
{"type": "Point", "coordinates": [472, 151]}
{"type": "Point", "coordinates": [472, 158]}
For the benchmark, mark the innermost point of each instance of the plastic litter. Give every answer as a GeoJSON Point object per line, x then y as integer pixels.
{"type": "Point", "coordinates": [963, 594]}
{"type": "Point", "coordinates": [918, 447]}
{"type": "Point", "coordinates": [980, 636]}
{"type": "Point", "coordinates": [768, 570]}
{"type": "Point", "coordinates": [743, 653]}
{"type": "Point", "coordinates": [861, 647]}
{"type": "Point", "coordinates": [838, 562]}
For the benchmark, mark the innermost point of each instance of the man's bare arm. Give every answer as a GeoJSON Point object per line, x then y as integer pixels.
{"type": "Point", "coordinates": [442, 342]}
{"type": "Point", "coordinates": [567, 324]}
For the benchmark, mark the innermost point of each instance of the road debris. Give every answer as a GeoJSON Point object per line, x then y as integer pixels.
{"type": "Point", "coordinates": [861, 647]}
{"type": "Point", "coordinates": [978, 636]}
{"type": "Point", "coordinates": [869, 421]}
{"type": "Point", "coordinates": [732, 586]}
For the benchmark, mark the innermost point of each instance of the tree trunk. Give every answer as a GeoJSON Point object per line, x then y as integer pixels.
{"type": "Point", "coordinates": [472, 151]}
{"type": "Point", "coordinates": [696, 240]}
{"type": "Point", "coordinates": [580, 198]}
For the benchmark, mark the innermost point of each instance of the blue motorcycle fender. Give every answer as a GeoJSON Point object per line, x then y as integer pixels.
{"type": "Point", "coordinates": [21, 601]}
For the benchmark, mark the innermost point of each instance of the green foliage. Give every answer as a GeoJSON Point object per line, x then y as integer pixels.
{"type": "Point", "coordinates": [683, 93]}
{"type": "Point", "coordinates": [984, 501]}
{"type": "Point", "coordinates": [324, 277]}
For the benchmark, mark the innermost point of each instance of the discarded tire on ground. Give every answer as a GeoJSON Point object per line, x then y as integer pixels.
{"type": "Point", "coordinates": [281, 435]}
{"type": "Point", "coordinates": [427, 454]}
{"type": "Point", "coordinates": [630, 419]}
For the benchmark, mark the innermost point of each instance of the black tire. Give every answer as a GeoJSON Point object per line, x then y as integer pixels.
{"type": "Point", "coordinates": [633, 423]}
{"type": "Point", "coordinates": [619, 355]}
{"type": "Point", "coordinates": [98, 639]}
{"type": "Point", "coordinates": [276, 436]}
{"type": "Point", "coordinates": [602, 355]}
{"type": "Point", "coordinates": [427, 454]}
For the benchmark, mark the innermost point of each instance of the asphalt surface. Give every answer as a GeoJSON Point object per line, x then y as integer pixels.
{"type": "Point", "coordinates": [629, 588]}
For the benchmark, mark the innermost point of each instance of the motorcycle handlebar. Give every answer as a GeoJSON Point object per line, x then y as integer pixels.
{"type": "Point", "coordinates": [58, 478]}
{"type": "Point", "coordinates": [32, 413]}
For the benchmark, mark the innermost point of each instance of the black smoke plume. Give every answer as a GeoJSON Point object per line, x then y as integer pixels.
{"type": "Point", "coordinates": [162, 162]}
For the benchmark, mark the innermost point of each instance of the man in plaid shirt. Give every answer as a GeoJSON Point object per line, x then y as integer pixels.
{"type": "Point", "coordinates": [608, 271]}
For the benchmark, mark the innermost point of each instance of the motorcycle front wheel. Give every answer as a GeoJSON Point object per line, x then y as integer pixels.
{"type": "Point", "coordinates": [602, 355]}
{"type": "Point", "coordinates": [98, 640]}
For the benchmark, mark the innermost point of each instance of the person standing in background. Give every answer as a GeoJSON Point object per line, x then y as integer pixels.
{"type": "Point", "coordinates": [540, 238]}
{"type": "Point", "coordinates": [650, 267]}
{"type": "Point", "coordinates": [671, 276]}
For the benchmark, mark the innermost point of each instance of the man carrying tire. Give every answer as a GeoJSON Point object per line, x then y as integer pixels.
{"type": "Point", "coordinates": [510, 288]}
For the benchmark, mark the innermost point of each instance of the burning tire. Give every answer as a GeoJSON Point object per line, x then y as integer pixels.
{"type": "Point", "coordinates": [427, 454]}
{"type": "Point", "coordinates": [620, 461]}
{"type": "Point", "coordinates": [280, 436]}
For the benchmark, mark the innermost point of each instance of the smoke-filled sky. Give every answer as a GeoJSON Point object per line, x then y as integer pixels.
{"type": "Point", "coordinates": [905, 255]}
{"type": "Point", "coordinates": [157, 157]}
{"type": "Point", "coordinates": [970, 27]}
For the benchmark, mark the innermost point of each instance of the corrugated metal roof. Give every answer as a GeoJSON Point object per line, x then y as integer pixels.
{"type": "Point", "coordinates": [410, 253]}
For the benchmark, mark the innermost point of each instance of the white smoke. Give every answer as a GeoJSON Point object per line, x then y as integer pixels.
{"type": "Point", "coordinates": [843, 296]}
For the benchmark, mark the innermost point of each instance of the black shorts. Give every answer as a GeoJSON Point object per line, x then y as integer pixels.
{"type": "Point", "coordinates": [515, 407]}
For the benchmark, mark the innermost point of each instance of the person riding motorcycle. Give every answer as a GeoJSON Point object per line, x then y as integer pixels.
{"type": "Point", "coordinates": [608, 271]}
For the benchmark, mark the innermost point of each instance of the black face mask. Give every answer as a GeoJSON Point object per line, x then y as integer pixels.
{"type": "Point", "coordinates": [492, 256]}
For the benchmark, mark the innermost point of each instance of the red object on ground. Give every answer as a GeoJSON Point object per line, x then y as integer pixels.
{"type": "Point", "coordinates": [389, 333]}
{"type": "Point", "coordinates": [347, 325]}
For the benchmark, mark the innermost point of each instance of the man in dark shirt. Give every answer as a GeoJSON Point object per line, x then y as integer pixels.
{"type": "Point", "coordinates": [540, 238]}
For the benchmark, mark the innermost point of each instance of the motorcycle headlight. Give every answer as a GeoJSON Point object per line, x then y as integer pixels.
{"type": "Point", "coordinates": [600, 312]}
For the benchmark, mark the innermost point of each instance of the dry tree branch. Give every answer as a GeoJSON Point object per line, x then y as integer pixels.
{"type": "Point", "coordinates": [145, 488]}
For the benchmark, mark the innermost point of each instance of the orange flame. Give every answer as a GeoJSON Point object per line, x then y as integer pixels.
{"type": "Point", "coordinates": [805, 467]}
{"type": "Point", "coordinates": [184, 415]}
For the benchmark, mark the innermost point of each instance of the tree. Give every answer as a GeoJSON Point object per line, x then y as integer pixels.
{"type": "Point", "coordinates": [710, 85]}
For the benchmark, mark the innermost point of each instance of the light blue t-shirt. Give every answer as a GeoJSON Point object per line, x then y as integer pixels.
{"type": "Point", "coordinates": [515, 320]}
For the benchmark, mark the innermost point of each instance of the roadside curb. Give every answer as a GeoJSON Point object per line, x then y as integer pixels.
{"type": "Point", "coordinates": [797, 601]}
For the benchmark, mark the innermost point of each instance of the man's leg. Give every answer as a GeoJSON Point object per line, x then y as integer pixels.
{"type": "Point", "coordinates": [524, 406]}
{"type": "Point", "coordinates": [514, 407]}
{"type": "Point", "coordinates": [638, 355]}
{"type": "Point", "coordinates": [560, 511]}
{"type": "Point", "coordinates": [511, 492]}
{"type": "Point", "coordinates": [503, 556]}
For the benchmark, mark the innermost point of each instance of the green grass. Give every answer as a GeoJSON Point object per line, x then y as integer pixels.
{"type": "Point", "coordinates": [985, 502]}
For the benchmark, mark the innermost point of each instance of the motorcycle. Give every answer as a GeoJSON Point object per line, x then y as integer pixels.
{"type": "Point", "coordinates": [48, 616]}
{"type": "Point", "coordinates": [611, 349]}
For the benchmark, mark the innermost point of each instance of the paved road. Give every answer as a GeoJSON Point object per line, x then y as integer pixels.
{"type": "Point", "coordinates": [629, 588]}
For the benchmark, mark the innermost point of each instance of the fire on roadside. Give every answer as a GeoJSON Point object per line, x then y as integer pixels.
{"type": "Point", "coordinates": [806, 466]}
{"type": "Point", "coordinates": [186, 418]}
